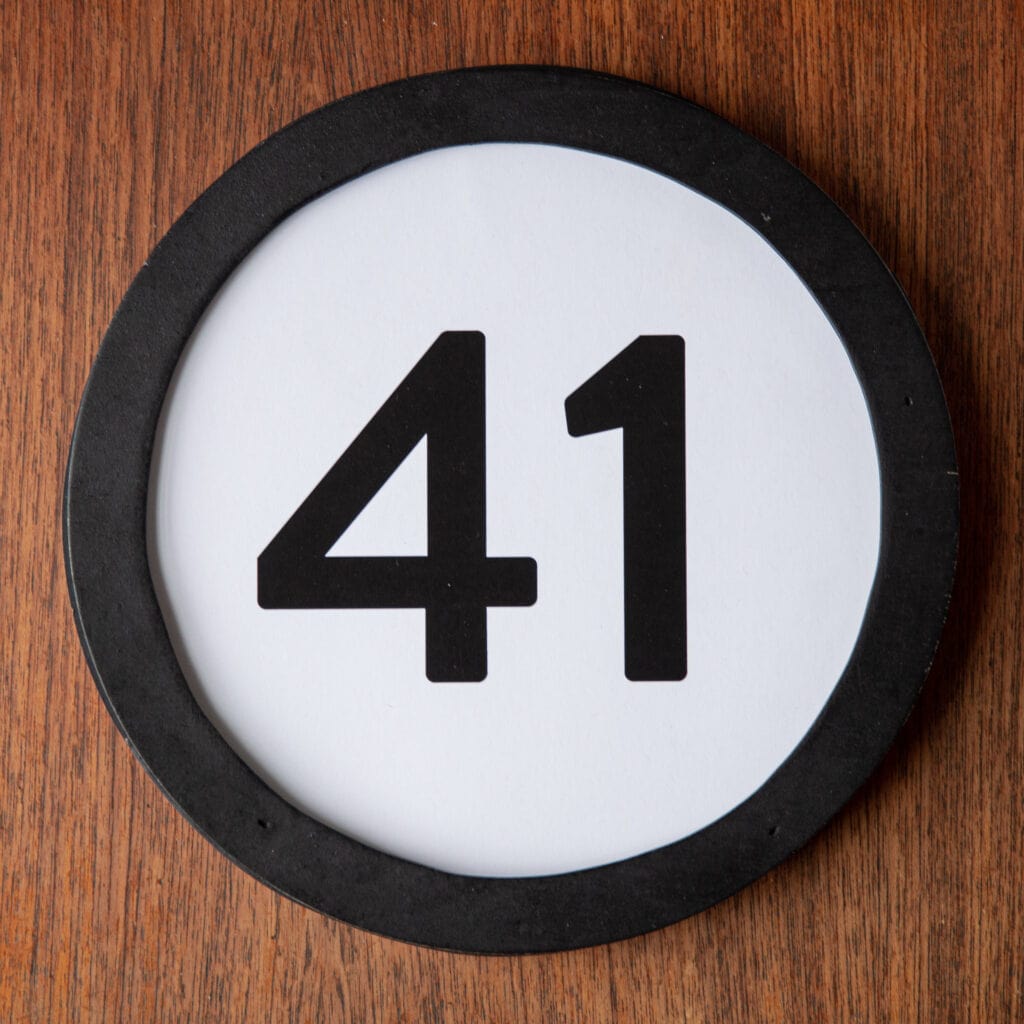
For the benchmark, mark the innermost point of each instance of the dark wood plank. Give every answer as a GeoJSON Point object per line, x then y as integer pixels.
{"type": "Point", "coordinates": [908, 907]}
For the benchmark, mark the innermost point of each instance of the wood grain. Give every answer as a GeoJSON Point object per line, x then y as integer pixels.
{"type": "Point", "coordinates": [909, 907]}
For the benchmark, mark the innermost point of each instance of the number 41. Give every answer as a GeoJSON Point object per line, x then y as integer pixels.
{"type": "Point", "coordinates": [639, 391]}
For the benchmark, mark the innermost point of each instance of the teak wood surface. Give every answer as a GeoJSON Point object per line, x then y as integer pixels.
{"type": "Point", "coordinates": [908, 907]}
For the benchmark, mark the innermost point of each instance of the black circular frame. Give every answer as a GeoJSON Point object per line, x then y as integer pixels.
{"type": "Point", "coordinates": [125, 637]}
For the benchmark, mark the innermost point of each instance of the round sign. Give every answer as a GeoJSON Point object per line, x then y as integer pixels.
{"type": "Point", "coordinates": [511, 510]}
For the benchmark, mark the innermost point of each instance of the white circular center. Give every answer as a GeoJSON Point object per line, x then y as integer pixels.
{"type": "Point", "coordinates": [555, 761]}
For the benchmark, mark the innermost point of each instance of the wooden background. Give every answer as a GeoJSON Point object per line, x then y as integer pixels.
{"type": "Point", "coordinates": [909, 907]}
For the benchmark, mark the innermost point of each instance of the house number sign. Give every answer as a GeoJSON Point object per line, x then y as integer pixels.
{"type": "Point", "coordinates": [511, 510]}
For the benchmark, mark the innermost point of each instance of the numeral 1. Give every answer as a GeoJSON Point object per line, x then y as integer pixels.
{"type": "Point", "coordinates": [641, 391]}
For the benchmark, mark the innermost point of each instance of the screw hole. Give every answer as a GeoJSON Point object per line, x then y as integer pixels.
{"type": "Point", "coordinates": [908, 401]}
{"type": "Point", "coordinates": [773, 831]}
{"type": "Point", "coordinates": [262, 823]}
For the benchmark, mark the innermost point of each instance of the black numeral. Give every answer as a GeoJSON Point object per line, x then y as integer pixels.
{"type": "Point", "coordinates": [442, 398]}
{"type": "Point", "coordinates": [641, 391]}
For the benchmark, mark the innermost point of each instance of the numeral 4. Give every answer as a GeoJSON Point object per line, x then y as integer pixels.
{"type": "Point", "coordinates": [442, 398]}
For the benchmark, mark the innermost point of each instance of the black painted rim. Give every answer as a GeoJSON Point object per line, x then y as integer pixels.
{"type": "Point", "coordinates": [122, 629]}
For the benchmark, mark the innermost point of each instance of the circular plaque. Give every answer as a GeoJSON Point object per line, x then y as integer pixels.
{"type": "Point", "coordinates": [511, 510]}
